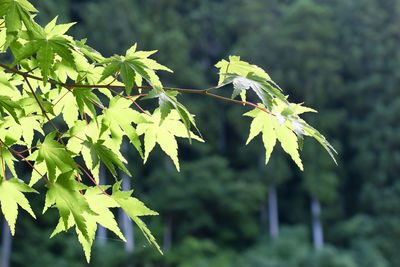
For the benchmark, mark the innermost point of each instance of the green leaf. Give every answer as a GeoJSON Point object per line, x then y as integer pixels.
{"type": "Point", "coordinates": [266, 124]}
{"type": "Point", "coordinates": [9, 106]}
{"type": "Point", "coordinates": [100, 152]}
{"type": "Point", "coordinates": [127, 75]}
{"type": "Point", "coordinates": [133, 67]}
{"type": "Point", "coordinates": [134, 208]}
{"type": "Point", "coordinates": [24, 51]}
{"type": "Point", "coordinates": [100, 204]}
{"type": "Point", "coordinates": [40, 169]}
{"type": "Point", "coordinates": [11, 196]}
{"type": "Point", "coordinates": [65, 103]}
{"type": "Point", "coordinates": [312, 132]}
{"type": "Point", "coordinates": [238, 67]}
{"type": "Point", "coordinates": [45, 57]}
{"type": "Point", "coordinates": [46, 44]}
{"type": "Point", "coordinates": [167, 101]}
{"type": "Point", "coordinates": [245, 76]}
{"type": "Point", "coordinates": [86, 100]}
{"type": "Point", "coordinates": [110, 70]}
{"type": "Point", "coordinates": [273, 129]}
{"type": "Point", "coordinates": [65, 196]}
{"type": "Point", "coordinates": [29, 125]}
{"type": "Point", "coordinates": [14, 12]}
{"type": "Point", "coordinates": [89, 51]}
{"type": "Point", "coordinates": [164, 133]}
{"type": "Point", "coordinates": [289, 143]}
{"type": "Point", "coordinates": [56, 156]}
{"type": "Point", "coordinates": [8, 159]}
{"type": "Point", "coordinates": [119, 117]}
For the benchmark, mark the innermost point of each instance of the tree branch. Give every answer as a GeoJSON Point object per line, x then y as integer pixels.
{"type": "Point", "coordinates": [112, 88]}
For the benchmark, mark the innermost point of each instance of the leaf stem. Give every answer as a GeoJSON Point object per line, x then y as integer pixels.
{"type": "Point", "coordinates": [21, 157]}
{"type": "Point", "coordinates": [40, 104]}
{"type": "Point", "coordinates": [92, 179]}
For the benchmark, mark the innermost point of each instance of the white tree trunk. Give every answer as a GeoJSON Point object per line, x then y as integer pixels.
{"type": "Point", "coordinates": [101, 235]}
{"type": "Point", "coordinates": [273, 212]}
{"type": "Point", "coordinates": [167, 242]}
{"type": "Point", "coordinates": [125, 221]}
{"type": "Point", "coordinates": [317, 231]}
{"type": "Point", "coordinates": [6, 244]}
{"type": "Point", "coordinates": [168, 224]}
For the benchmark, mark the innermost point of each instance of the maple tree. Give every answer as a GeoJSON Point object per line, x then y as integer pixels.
{"type": "Point", "coordinates": [65, 109]}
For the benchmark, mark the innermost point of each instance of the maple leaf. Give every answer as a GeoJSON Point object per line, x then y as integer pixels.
{"type": "Point", "coordinates": [46, 43]}
{"type": "Point", "coordinates": [133, 67]}
{"type": "Point", "coordinates": [164, 132]}
{"type": "Point", "coordinates": [11, 196]}
{"type": "Point", "coordinates": [272, 130]}
{"type": "Point", "coordinates": [56, 156]}
{"type": "Point", "coordinates": [65, 196]}
{"type": "Point", "coordinates": [134, 208]}
{"type": "Point", "coordinates": [119, 117]}
{"type": "Point", "coordinates": [15, 11]}
{"type": "Point", "coordinates": [245, 76]}
{"type": "Point", "coordinates": [167, 101]}
{"type": "Point", "coordinates": [9, 106]}
{"type": "Point", "coordinates": [71, 103]}
{"type": "Point", "coordinates": [99, 152]}
{"type": "Point", "coordinates": [283, 124]}
{"type": "Point", "coordinates": [28, 126]}
{"type": "Point", "coordinates": [100, 204]}
{"type": "Point", "coordinates": [7, 160]}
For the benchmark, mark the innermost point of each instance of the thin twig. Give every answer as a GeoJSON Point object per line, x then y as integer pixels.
{"type": "Point", "coordinates": [92, 179]}
{"type": "Point", "coordinates": [236, 101]}
{"type": "Point", "coordinates": [40, 104]}
{"type": "Point", "coordinates": [66, 93]}
{"type": "Point", "coordinates": [133, 101]}
{"type": "Point", "coordinates": [21, 157]}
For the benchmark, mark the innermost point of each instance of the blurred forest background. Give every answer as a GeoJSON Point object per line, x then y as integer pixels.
{"type": "Point", "coordinates": [226, 208]}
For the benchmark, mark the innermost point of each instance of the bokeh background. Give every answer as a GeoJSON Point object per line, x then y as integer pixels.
{"type": "Point", "coordinates": [226, 208]}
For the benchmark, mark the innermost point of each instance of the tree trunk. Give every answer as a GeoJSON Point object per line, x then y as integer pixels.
{"type": "Point", "coordinates": [167, 242]}
{"type": "Point", "coordinates": [271, 207]}
{"type": "Point", "coordinates": [273, 212]}
{"type": "Point", "coordinates": [125, 221]}
{"type": "Point", "coordinates": [167, 238]}
{"type": "Point", "coordinates": [101, 235]}
{"type": "Point", "coordinates": [6, 244]}
{"type": "Point", "coordinates": [317, 231]}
